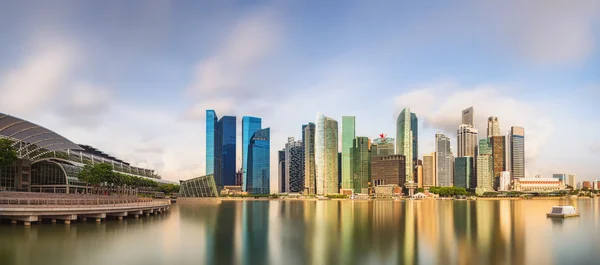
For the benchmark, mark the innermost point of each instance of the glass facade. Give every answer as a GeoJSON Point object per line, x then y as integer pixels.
{"type": "Point", "coordinates": [249, 126]}
{"type": "Point", "coordinates": [444, 160]}
{"type": "Point", "coordinates": [361, 162]}
{"type": "Point", "coordinates": [309, 159]}
{"type": "Point", "coordinates": [281, 169]}
{"type": "Point", "coordinates": [199, 187]}
{"type": "Point", "coordinates": [414, 128]}
{"type": "Point", "coordinates": [294, 157]}
{"type": "Point", "coordinates": [56, 177]}
{"type": "Point", "coordinates": [326, 155]}
{"type": "Point", "coordinates": [259, 162]}
{"type": "Point", "coordinates": [404, 140]}
{"type": "Point", "coordinates": [226, 151]}
{"type": "Point", "coordinates": [485, 147]}
{"type": "Point", "coordinates": [498, 154]}
{"type": "Point", "coordinates": [463, 172]}
{"type": "Point", "coordinates": [485, 172]}
{"type": "Point", "coordinates": [517, 152]}
{"type": "Point", "coordinates": [211, 122]}
{"type": "Point", "coordinates": [348, 135]}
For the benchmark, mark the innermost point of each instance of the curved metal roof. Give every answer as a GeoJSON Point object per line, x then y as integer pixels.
{"type": "Point", "coordinates": [22, 131]}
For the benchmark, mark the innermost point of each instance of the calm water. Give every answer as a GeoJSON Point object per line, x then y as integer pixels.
{"type": "Point", "coordinates": [323, 232]}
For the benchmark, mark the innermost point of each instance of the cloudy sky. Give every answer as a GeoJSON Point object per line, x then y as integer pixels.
{"type": "Point", "coordinates": [134, 78]}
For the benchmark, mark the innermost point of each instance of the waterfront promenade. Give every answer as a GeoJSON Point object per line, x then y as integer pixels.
{"type": "Point", "coordinates": [36, 207]}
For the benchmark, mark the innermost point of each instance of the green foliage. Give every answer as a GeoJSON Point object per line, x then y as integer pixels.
{"type": "Point", "coordinates": [103, 174]}
{"type": "Point", "coordinates": [168, 188]}
{"type": "Point", "coordinates": [336, 196]}
{"type": "Point", "coordinates": [448, 191]}
{"type": "Point", "coordinates": [419, 190]}
{"type": "Point", "coordinates": [8, 154]}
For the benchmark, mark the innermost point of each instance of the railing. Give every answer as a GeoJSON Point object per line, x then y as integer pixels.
{"type": "Point", "coordinates": [78, 202]}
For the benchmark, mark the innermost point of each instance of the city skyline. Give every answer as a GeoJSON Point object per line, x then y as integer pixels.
{"type": "Point", "coordinates": [140, 90]}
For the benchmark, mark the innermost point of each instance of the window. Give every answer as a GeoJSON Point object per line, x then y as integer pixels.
{"type": "Point", "coordinates": [25, 177]}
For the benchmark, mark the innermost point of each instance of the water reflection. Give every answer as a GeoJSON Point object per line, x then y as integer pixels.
{"type": "Point", "coordinates": [320, 232]}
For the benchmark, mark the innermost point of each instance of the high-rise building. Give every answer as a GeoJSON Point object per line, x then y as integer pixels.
{"type": "Point", "coordinates": [414, 128]}
{"type": "Point", "coordinates": [507, 153]}
{"type": "Point", "coordinates": [387, 170]}
{"type": "Point", "coordinates": [250, 125]}
{"type": "Point", "coordinates": [294, 173]}
{"type": "Point", "coordinates": [339, 179]}
{"type": "Point", "coordinates": [238, 178]}
{"type": "Point", "coordinates": [493, 128]}
{"type": "Point", "coordinates": [562, 177]}
{"type": "Point", "coordinates": [463, 172]}
{"type": "Point", "coordinates": [404, 142]}
{"type": "Point", "coordinates": [361, 161]}
{"type": "Point", "coordinates": [429, 170]}
{"type": "Point", "coordinates": [259, 160]}
{"type": "Point", "coordinates": [385, 146]}
{"type": "Point", "coordinates": [466, 140]}
{"type": "Point", "coordinates": [517, 151]}
{"type": "Point", "coordinates": [485, 146]}
{"type": "Point", "coordinates": [571, 180]}
{"type": "Point", "coordinates": [226, 151]}
{"type": "Point", "coordinates": [281, 170]}
{"type": "Point", "coordinates": [348, 135]}
{"type": "Point", "coordinates": [467, 117]}
{"type": "Point", "coordinates": [326, 155]}
{"type": "Point", "coordinates": [309, 159]}
{"type": "Point", "coordinates": [419, 176]}
{"type": "Point", "coordinates": [211, 123]}
{"type": "Point", "coordinates": [485, 171]}
{"type": "Point", "coordinates": [498, 154]}
{"type": "Point", "coordinates": [445, 160]}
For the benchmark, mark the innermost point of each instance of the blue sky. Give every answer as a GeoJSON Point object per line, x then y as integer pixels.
{"type": "Point", "coordinates": [134, 78]}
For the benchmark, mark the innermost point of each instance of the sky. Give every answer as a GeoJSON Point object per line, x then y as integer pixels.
{"type": "Point", "coordinates": [134, 78]}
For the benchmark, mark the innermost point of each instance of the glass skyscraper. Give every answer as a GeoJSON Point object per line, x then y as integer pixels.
{"type": "Point", "coordinates": [414, 128]}
{"type": "Point", "coordinates": [361, 162]}
{"type": "Point", "coordinates": [249, 126]}
{"type": "Point", "coordinates": [211, 123]}
{"type": "Point", "coordinates": [294, 166]}
{"type": "Point", "coordinates": [404, 140]}
{"type": "Point", "coordinates": [348, 135]}
{"type": "Point", "coordinates": [463, 172]}
{"type": "Point", "coordinates": [281, 170]}
{"type": "Point", "coordinates": [517, 152]}
{"type": "Point", "coordinates": [259, 160]}
{"type": "Point", "coordinates": [226, 151]}
{"type": "Point", "coordinates": [326, 155]}
{"type": "Point", "coordinates": [445, 160]}
{"type": "Point", "coordinates": [309, 159]}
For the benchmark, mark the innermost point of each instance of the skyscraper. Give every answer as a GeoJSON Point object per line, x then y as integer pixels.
{"type": "Point", "coordinates": [429, 170]}
{"type": "Point", "coordinates": [388, 170]}
{"type": "Point", "coordinates": [226, 151]}
{"type": "Point", "coordinates": [361, 161]}
{"type": "Point", "coordinates": [507, 152]}
{"type": "Point", "coordinates": [404, 142]}
{"type": "Point", "coordinates": [485, 173]}
{"type": "Point", "coordinates": [348, 135]}
{"type": "Point", "coordinates": [466, 140]}
{"type": "Point", "coordinates": [249, 126]}
{"type": "Point", "coordinates": [326, 155]}
{"type": "Point", "coordinates": [385, 146]}
{"type": "Point", "coordinates": [517, 152]}
{"type": "Point", "coordinates": [281, 170]}
{"type": "Point", "coordinates": [445, 160]}
{"type": "Point", "coordinates": [463, 172]}
{"type": "Point", "coordinates": [498, 154]}
{"type": "Point", "coordinates": [259, 162]}
{"type": "Point", "coordinates": [467, 117]}
{"type": "Point", "coordinates": [414, 128]}
{"type": "Point", "coordinates": [493, 128]}
{"type": "Point", "coordinates": [294, 157]}
{"type": "Point", "coordinates": [309, 159]}
{"type": "Point", "coordinates": [211, 123]}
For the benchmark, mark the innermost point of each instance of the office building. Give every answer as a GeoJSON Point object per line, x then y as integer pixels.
{"type": "Point", "coordinates": [507, 152]}
{"type": "Point", "coordinates": [467, 140]}
{"type": "Point", "coordinates": [309, 159]}
{"type": "Point", "coordinates": [586, 185]}
{"type": "Point", "coordinates": [259, 162]}
{"type": "Point", "coordinates": [388, 170]}
{"type": "Point", "coordinates": [348, 135]}
{"type": "Point", "coordinates": [572, 180]}
{"type": "Point", "coordinates": [419, 176]}
{"type": "Point", "coordinates": [485, 171]}
{"type": "Point", "coordinates": [463, 172]}
{"type": "Point", "coordinates": [238, 178]}
{"type": "Point", "coordinates": [414, 129]}
{"type": "Point", "coordinates": [281, 169]}
{"type": "Point", "coordinates": [250, 125]}
{"type": "Point", "coordinates": [596, 184]}
{"type": "Point", "coordinates": [467, 117]}
{"type": "Point", "coordinates": [444, 160]}
{"type": "Point", "coordinates": [211, 123]}
{"type": "Point", "coordinates": [485, 147]}
{"type": "Point", "coordinates": [504, 181]}
{"type": "Point", "coordinates": [294, 156]}
{"type": "Point", "coordinates": [361, 161]}
{"type": "Point", "coordinates": [225, 151]}
{"type": "Point", "coordinates": [498, 154]}
{"type": "Point", "coordinates": [560, 176]}
{"type": "Point", "coordinates": [404, 142]}
{"type": "Point", "coordinates": [517, 152]}
{"type": "Point", "coordinates": [493, 128]}
{"type": "Point", "coordinates": [538, 184]}
{"type": "Point", "coordinates": [382, 146]}
{"type": "Point", "coordinates": [429, 170]}
{"type": "Point", "coordinates": [326, 155]}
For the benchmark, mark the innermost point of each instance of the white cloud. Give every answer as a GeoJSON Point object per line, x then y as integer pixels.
{"type": "Point", "coordinates": [439, 106]}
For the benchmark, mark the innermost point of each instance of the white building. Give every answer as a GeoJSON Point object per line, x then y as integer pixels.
{"type": "Point", "coordinates": [596, 185]}
{"type": "Point", "coordinates": [538, 184]}
{"type": "Point", "coordinates": [504, 184]}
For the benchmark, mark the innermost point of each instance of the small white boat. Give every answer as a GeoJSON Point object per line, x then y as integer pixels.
{"type": "Point", "coordinates": [563, 212]}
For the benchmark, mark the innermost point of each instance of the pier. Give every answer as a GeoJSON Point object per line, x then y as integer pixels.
{"type": "Point", "coordinates": [28, 208]}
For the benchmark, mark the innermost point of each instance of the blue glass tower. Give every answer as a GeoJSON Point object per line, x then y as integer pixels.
{"type": "Point", "coordinates": [211, 123]}
{"type": "Point", "coordinates": [226, 127]}
{"type": "Point", "coordinates": [249, 126]}
{"type": "Point", "coordinates": [259, 160]}
{"type": "Point", "coordinates": [414, 128]}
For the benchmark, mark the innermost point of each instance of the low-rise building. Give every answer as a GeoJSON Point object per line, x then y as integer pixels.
{"type": "Point", "coordinates": [596, 185]}
{"type": "Point", "coordinates": [504, 181]}
{"type": "Point", "coordinates": [538, 184]}
{"type": "Point", "coordinates": [586, 185]}
{"type": "Point", "coordinates": [387, 191]}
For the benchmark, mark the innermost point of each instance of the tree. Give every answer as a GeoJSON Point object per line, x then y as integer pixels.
{"type": "Point", "coordinates": [8, 154]}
